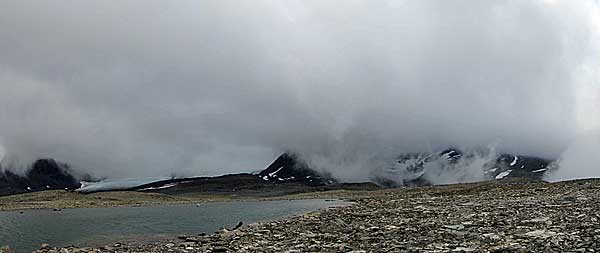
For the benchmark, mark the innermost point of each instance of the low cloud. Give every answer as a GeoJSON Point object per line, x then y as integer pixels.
{"type": "Point", "coordinates": [580, 160]}
{"type": "Point", "coordinates": [147, 88]}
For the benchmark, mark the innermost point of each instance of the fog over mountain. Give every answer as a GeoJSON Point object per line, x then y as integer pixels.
{"type": "Point", "coordinates": [147, 88]}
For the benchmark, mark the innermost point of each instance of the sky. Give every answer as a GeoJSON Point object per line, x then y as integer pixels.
{"type": "Point", "coordinates": [149, 88]}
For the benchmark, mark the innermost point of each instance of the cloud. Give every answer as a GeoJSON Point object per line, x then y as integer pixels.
{"type": "Point", "coordinates": [211, 87]}
{"type": "Point", "coordinates": [580, 160]}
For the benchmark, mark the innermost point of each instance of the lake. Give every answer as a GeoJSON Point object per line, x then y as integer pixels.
{"type": "Point", "coordinates": [25, 232]}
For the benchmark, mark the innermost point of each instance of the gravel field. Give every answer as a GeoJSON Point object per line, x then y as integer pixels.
{"type": "Point", "coordinates": [498, 216]}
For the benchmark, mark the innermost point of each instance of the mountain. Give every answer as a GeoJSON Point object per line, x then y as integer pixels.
{"type": "Point", "coordinates": [285, 175]}
{"type": "Point", "coordinates": [520, 166]}
{"type": "Point", "coordinates": [288, 168]}
{"type": "Point", "coordinates": [288, 174]}
{"type": "Point", "coordinates": [423, 168]}
{"type": "Point", "coordinates": [44, 174]}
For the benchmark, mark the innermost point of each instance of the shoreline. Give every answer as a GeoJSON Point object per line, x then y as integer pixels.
{"type": "Point", "coordinates": [138, 231]}
{"type": "Point", "coordinates": [510, 215]}
{"type": "Point", "coordinates": [60, 199]}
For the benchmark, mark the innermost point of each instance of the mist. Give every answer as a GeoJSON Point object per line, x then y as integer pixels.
{"type": "Point", "coordinates": [150, 88]}
{"type": "Point", "coordinates": [579, 161]}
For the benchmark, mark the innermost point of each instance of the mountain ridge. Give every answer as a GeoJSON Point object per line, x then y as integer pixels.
{"type": "Point", "coordinates": [287, 173]}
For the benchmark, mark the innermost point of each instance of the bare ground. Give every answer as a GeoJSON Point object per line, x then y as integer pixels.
{"type": "Point", "coordinates": [502, 216]}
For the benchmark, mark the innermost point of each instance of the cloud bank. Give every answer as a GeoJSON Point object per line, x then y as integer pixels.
{"type": "Point", "coordinates": [212, 87]}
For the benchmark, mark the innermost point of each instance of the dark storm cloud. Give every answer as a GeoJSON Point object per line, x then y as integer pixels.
{"type": "Point", "coordinates": [209, 87]}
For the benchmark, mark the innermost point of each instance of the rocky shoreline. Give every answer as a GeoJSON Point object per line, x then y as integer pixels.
{"type": "Point", "coordinates": [502, 216]}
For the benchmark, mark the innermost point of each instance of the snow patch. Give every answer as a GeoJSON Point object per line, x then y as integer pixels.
{"type": "Point", "coordinates": [503, 174]}
{"type": "Point", "coordinates": [514, 162]}
{"type": "Point", "coordinates": [272, 174]}
{"type": "Point", "coordinates": [115, 184]}
{"type": "Point", "coordinates": [160, 187]}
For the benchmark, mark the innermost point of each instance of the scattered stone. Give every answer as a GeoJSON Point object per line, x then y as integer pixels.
{"type": "Point", "coordinates": [6, 249]}
{"type": "Point", "coordinates": [540, 234]}
{"type": "Point", "coordinates": [454, 227]}
{"type": "Point", "coordinates": [463, 249]}
{"type": "Point", "coordinates": [506, 216]}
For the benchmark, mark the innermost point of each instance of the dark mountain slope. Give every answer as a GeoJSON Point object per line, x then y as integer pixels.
{"type": "Point", "coordinates": [285, 175]}
{"type": "Point", "coordinates": [287, 168]}
{"type": "Point", "coordinates": [44, 174]}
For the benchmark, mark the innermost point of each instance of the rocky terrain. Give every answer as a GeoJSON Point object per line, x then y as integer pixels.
{"type": "Point", "coordinates": [509, 215]}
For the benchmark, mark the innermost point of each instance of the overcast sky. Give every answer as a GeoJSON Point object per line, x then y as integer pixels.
{"type": "Point", "coordinates": [130, 88]}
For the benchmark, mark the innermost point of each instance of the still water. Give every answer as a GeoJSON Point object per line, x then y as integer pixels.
{"type": "Point", "coordinates": [25, 231]}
